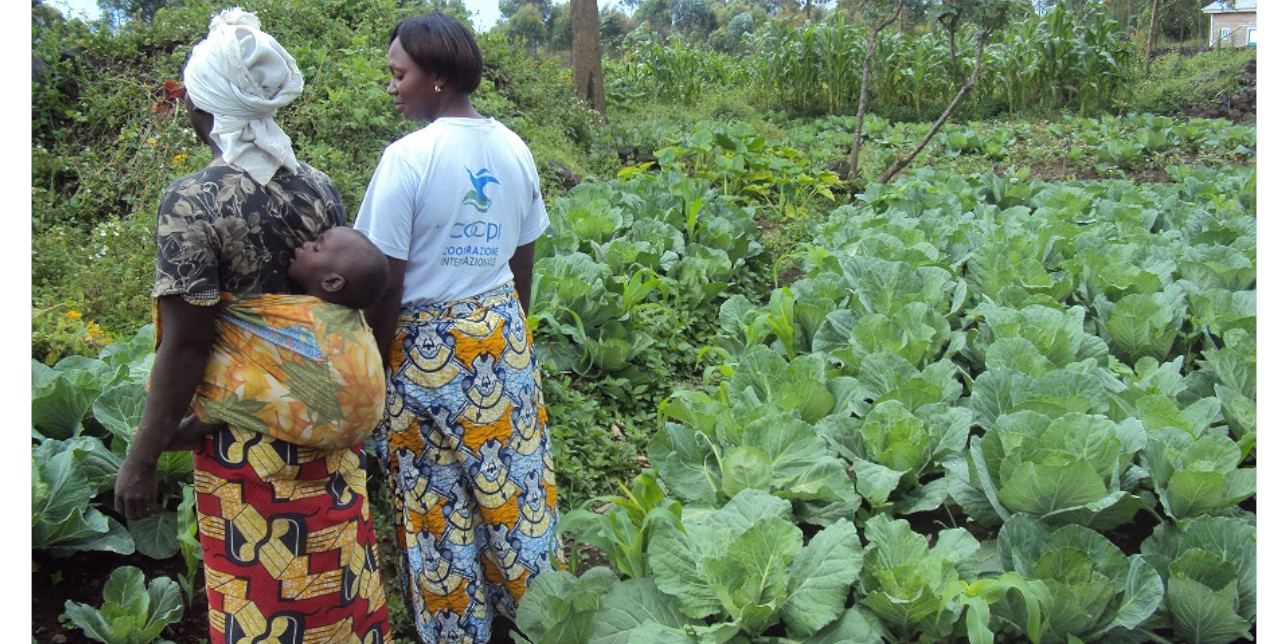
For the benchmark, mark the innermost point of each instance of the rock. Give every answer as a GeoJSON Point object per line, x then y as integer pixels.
{"type": "Point", "coordinates": [564, 176]}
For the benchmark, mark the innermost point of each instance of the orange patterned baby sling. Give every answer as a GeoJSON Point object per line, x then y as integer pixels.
{"type": "Point", "coordinates": [295, 367]}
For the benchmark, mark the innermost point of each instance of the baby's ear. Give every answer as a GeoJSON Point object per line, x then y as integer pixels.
{"type": "Point", "coordinates": [333, 283]}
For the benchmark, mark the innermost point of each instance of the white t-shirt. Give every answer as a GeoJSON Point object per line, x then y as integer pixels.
{"type": "Point", "coordinates": [454, 200]}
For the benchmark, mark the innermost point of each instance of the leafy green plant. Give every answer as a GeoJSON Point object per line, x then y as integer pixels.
{"type": "Point", "coordinates": [65, 476]}
{"type": "Point", "coordinates": [720, 449]}
{"type": "Point", "coordinates": [897, 451]}
{"type": "Point", "coordinates": [891, 306]}
{"type": "Point", "coordinates": [919, 592]}
{"type": "Point", "coordinates": [1195, 475]}
{"type": "Point", "coordinates": [1230, 372]}
{"type": "Point", "coordinates": [131, 612]}
{"type": "Point", "coordinates": [1092, 587]}
{"type": "Point", "coordinates": [748, 563]}
{"type": "Point", "coordinates": [1141, 325]}
{"type": "Point", "coordinates": [560, 606]}
{"type": "Point", "coordinates": [593, 444]}
{"type": "Point", "coordinates": [745, 567]}
{"type": "Point", "coordinates": [84, 411]}
{"type": "Point", "coordinates": [1074, 469]}
{"type": "Point", "coordinates": [60, 399]}
{"type": "Point", "coordinates": [1209, 566]}
{"type": "Point", "coordinates": [622, 530]}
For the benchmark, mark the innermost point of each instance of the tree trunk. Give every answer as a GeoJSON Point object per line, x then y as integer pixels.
{"type": "Point", "coordinates": [862, 97]}
{"type": "Point", "coordinates": [1151, 35]}
{"type": "Point", "coordinates": [585, 55]}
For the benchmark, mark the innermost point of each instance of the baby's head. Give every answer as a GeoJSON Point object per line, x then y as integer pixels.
{"type": "Point", "coordinates": [341, 266]}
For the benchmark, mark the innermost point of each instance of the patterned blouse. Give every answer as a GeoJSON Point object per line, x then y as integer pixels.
{"type": "Point", "coordinates": [219, 230]}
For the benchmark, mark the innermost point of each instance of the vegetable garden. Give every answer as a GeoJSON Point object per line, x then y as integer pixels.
{"type": "Point", "coordinates": [1010, 396]}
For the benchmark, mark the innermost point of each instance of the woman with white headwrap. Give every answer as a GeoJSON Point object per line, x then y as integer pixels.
{"type": "Point", "coordinates": [289, 551]}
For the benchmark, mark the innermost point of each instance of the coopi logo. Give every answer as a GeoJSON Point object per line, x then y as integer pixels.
{"type": "Point", "coordinates": [479, 181]}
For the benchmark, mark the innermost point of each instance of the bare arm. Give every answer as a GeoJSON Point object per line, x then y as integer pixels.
{"type": "Point", "coordinates": [522, 270]}
{"type": "Point", "coordinates": [382, 316]}
{"type": "Point", "coordinates": [179, 365]}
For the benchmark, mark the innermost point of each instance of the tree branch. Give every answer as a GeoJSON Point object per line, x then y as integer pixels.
{"type": "Point", "coordinates": [937, 125]}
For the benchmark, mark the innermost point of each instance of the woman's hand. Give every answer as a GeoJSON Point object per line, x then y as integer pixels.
{"type": "Point", "coordinates": [136, 488]}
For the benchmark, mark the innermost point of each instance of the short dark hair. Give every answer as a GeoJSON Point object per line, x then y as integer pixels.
{"type": "Point", "coordinates": [439, 44]}
{"type": "Point", "coordinates": [366, 272]}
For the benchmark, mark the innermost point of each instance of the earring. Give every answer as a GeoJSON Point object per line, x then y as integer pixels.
{"type": "Point", "coordinates": [437, 89]}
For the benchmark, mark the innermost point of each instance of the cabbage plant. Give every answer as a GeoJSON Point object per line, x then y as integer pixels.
{"type": "Point", "coordinates": [132, 613]}
{"type": "Point", "coordinates": [1209, 565]}
{"type": "Point", "coordinates": [729, 575]}
{"type": "Point", "coordinates": [1195, 475]}
{"type": "Point", "coordinates": [1093, 588]}
{"type": "Point", "coordinates": [1076, 468]}
{"type": "Point", "coordinates": [65, 477]}
{"type": "Point", "coordinates": [727, 449]}
{"type": "Point", "coordinates": [919, 593]}
{"type": "Point", "coordinates": [896, 451]}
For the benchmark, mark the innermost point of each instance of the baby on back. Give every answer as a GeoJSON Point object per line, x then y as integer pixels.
{"type": "Point", "coordinates": [308, 360]}
{"type": "Point", "coordinates": [341, 266]}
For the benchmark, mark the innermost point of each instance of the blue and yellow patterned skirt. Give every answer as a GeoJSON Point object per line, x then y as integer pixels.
{"type": "Point", "coordinates": [465, 450]}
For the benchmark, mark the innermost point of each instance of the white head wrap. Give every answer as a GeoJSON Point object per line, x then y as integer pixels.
{"type": "Point", "coordinates": [241, 76]}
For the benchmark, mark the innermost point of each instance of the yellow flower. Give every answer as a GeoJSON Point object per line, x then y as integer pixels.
{"type": "Point", "coordinates": [179, 158]}
{"type": "Point", "coordinates": [73, 314]}
{"type": "Point", "coordinates": [97, 334]}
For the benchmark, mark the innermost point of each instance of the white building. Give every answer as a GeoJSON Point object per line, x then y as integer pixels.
{"type": "Point", "coordinates": [1233, 24]}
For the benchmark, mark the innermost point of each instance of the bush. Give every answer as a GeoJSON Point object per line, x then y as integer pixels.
{"type": "Point", "coordinates": [1177, 84]}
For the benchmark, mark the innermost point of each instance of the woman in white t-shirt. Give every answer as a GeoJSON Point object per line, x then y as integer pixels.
{"type": "Point", "coordinates": [456, 207]}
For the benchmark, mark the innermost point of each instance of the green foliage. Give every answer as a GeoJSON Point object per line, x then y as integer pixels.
{"type": "Point", "coordinates": [631, 261]}
{"type": "Point", "coordinates": [758, 432]}
{"type": "Point", "coordinates": [83, 413]}
{"type": "Point", "coordinates": [622, 528]}
{"type": "Point", "coordinates": [743, 165]}
{"type": "Point", "coordinates": [1209, 567]}
{"type": "Point", "coordinates": [1069, 427]}
{"type": "Point", "coordinates": [1081, 61]}
{"type": "Point", "coordinates": [65, 476]}
{"type": "Point", "coordinates": [745, 566]}
{"type": "Point", "coordinates": [527, 25]}
{"type": "Point", "coordinates": [989, 341]}
{"type": "Point", "coordinates": [1181, 21]}
{"type": "Point", "coordinates": [1093, 588]}
{"type": "Point", "coordinates": [740, 25]}
{"type": "Point", "coordinates": [1195, 475]}
{"type": "Point", "coordinates": [594, 441]}
{"type": "Point", "coordinates": [894, 448]}
{"type": "Point", "coordinates": [1176, 84]}
{"type": "Point", "coordinates": [121, 10]}
{"type": "Point", "coordinates": [913, 589]}
{"type": "Point", "coordinates": [560, 28]}
{"type": "Point", "coordinates": [614, 26]}
{"type": "Point", "coordinates": [559, 606]}
{"type": "Point", "coordinates": [131, 613]}
{"type": "Point", "coordinates": [692, 18]}
{"type": "Point", "coordinates": [1072, 469]}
